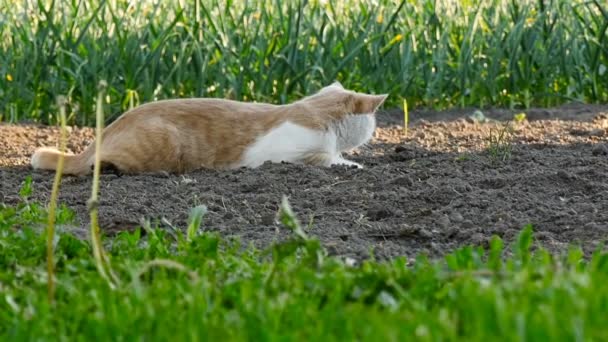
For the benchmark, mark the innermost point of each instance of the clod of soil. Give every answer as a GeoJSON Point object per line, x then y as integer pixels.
{"type": "Point", "coordinates": [441, 187]}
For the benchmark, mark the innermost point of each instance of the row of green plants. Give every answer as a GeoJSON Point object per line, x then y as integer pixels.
{"type": "Point", "coordinates": [434, 53]}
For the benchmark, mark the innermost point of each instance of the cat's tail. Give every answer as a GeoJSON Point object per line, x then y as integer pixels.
{"type": "Point", "coordinates": [47, 158]}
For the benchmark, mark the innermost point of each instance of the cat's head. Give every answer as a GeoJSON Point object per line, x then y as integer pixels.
{"type": "Point", "coordinates": [351, 102]}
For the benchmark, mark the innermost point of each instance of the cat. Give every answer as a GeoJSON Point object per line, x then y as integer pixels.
{"type": "Point", "coordinates": [182, 135]}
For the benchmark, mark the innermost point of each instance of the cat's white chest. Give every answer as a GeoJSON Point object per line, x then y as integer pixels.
{"type": "Point", "coordinates": [293, 143]}
{"type": "Point", "coordinates": [288, 142]}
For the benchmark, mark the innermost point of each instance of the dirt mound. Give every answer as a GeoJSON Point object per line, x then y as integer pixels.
{"type": "Point", "coordinates": [443, 186]}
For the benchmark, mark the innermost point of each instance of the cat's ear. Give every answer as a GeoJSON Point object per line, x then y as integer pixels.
{"type": "Point", "coordinates": [337, 84]}
{"type": "Point", "coordinates": [365, 103]}
{"type": "Point", "coordinates": [334, 86]}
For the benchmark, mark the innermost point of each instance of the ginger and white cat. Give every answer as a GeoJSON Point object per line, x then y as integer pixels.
{"type": "Point", "coordinates": [186, 134]}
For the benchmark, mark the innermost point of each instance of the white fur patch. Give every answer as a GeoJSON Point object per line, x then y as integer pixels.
{"type": "Point", "coordinates": [338, 160]}
{"type": "Point", "coordinates": [288, 142]}
{"type": "Point", "coordinates": [293, 143]}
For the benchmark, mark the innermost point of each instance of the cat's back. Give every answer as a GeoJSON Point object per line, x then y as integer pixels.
{"type": "Point", "coordinates": [192, 112]}
{"type": "Point", "coordinates": [185, 134]}
{"type": "Point", "coordinates": [198, 107]}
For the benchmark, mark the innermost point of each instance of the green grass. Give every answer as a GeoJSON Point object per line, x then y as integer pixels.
{"type": "Point", "coordinates": [500, 143]}
{"type": "Point", "coordinates": [434, 53]}
{"type": "Point", "coordinates": [200, 287]}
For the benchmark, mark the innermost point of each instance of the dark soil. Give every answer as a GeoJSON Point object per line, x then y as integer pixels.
{"type": "Point", "coordinates": [441, 187]}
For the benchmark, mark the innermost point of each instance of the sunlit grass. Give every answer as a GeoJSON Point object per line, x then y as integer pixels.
{"type": "Point", "coordinates": [50, 229]}
{"type": "Point", "coordinates": [435, 53]}
{"type": "Point", "coordinates": [101, 258]}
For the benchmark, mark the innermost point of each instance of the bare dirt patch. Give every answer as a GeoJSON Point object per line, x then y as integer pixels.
{"type": "Point", "coordinates": [435, 190]}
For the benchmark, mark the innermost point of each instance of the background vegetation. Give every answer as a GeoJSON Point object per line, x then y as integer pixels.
{"type": "Point", "coordinates": [435, 53]}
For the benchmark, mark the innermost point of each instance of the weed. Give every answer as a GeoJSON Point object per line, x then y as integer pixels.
{"type": "Point", "coordinates": [406, 117]}
{"type": "Point", "coordinates": [50, 237]}
{"type": "Point", "coordinates": [500, 143]}
{"type": "Point", "coordinates": [519, 117]}
{"type": "Point", "coordinates": [101, 259]}
{"type": "Point", "coordinates": [194, 221]}
{"type": "Point", "coordinates": [462, 157]}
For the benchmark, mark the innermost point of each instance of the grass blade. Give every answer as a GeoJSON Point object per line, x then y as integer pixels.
{"type": "Point", "coordinates": [101, 259]}
{"type": "Point", "coordinates": [50, 231]}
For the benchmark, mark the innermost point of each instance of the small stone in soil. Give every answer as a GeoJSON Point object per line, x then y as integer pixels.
{"type": "Point", "coordinates": [456, 217]}
{"type": "Point", "coordinates": [443, 221]}
{"type": "Point", "coordinates": [268, 220]}
{"type": "Point", "coordinates": [404, 180]}
{"type": "Point", "coordinates": [600, 150]}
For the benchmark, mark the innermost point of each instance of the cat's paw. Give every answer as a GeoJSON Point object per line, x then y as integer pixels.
{"type": "Point", "coordinates": [342, 161]}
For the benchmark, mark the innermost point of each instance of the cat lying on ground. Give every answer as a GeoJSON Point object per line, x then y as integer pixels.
{"type": "Point", "coordinates": [186, 134]}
